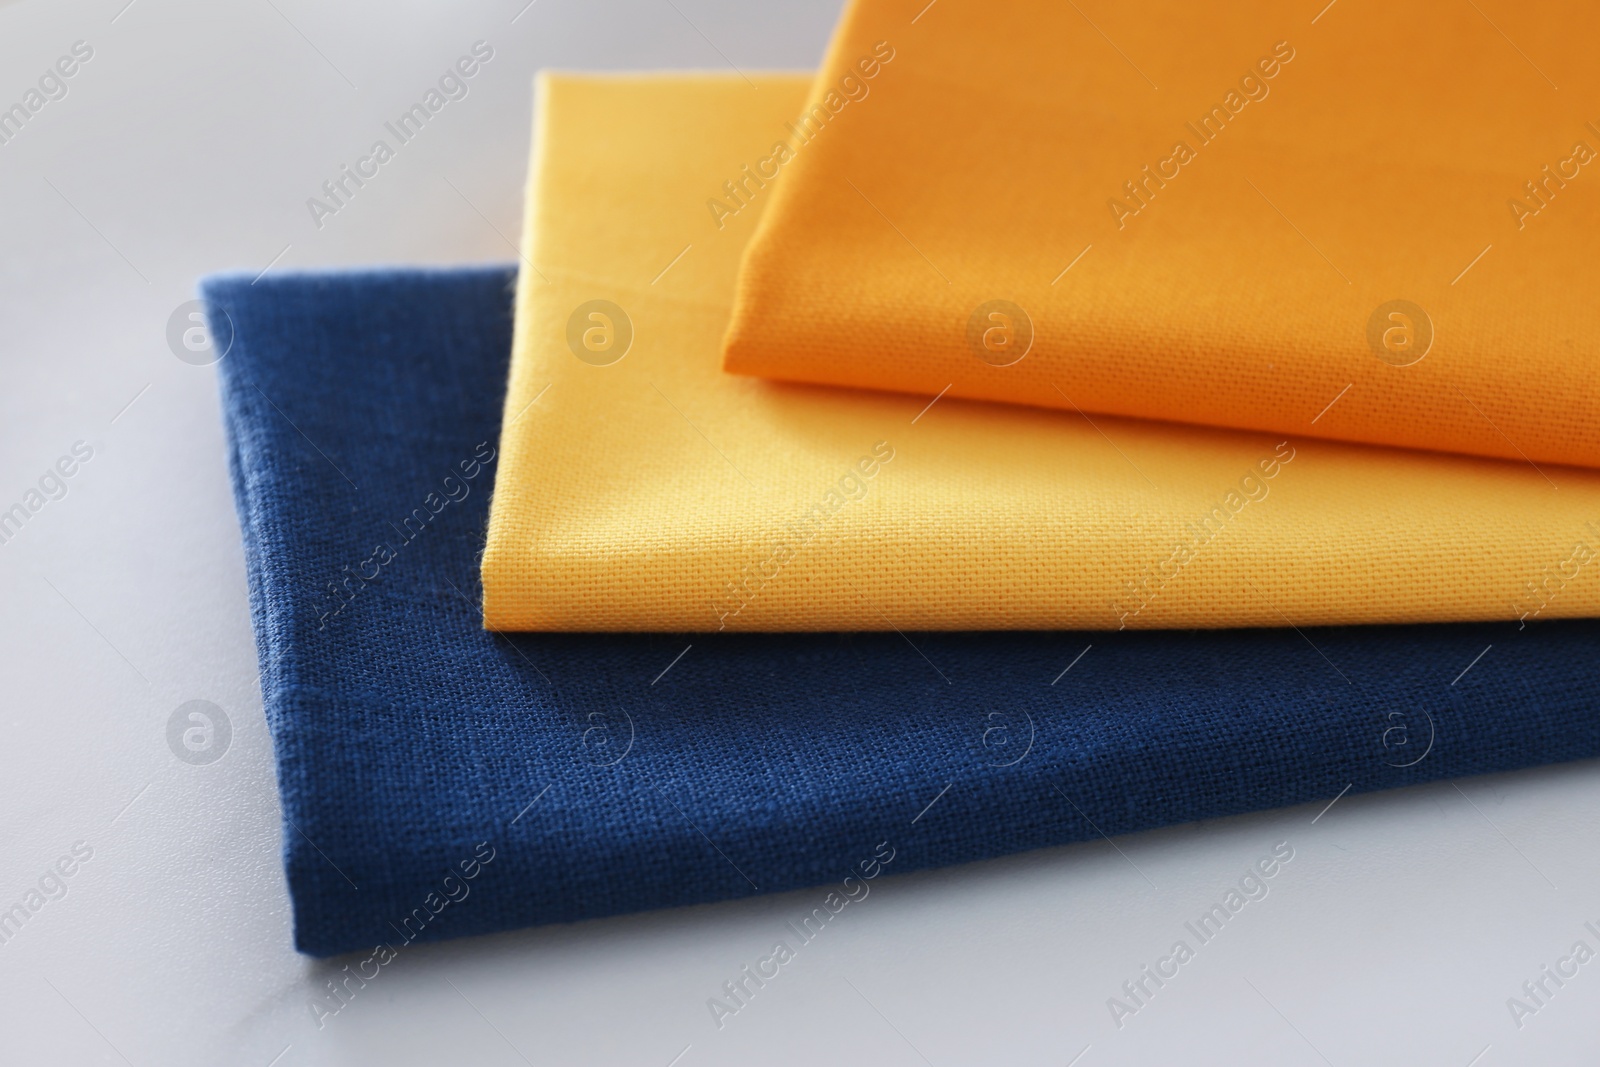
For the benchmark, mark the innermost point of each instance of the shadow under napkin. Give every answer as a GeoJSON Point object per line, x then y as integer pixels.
{"type": "Point", "coordinates": [578, 776]}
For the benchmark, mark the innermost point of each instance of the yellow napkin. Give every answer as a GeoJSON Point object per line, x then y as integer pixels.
{"type": "Point", "coordinates": [1364, 220]}
{"type": "Point", "coordinates": [641, 488]}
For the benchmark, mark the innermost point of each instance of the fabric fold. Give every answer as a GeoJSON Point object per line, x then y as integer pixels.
{"type": "Point", "coordinates": [1372, 224]}
{"type": "Point", "coordinates": [440, 781]}
{"type": "Point", "coordinates": [641, 488]}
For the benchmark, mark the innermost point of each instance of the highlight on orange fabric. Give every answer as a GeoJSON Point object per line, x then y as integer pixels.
{"type": "Point", "coordinates": [641, 488]}
{"type": "Point", "coordinates": [1360, 220]}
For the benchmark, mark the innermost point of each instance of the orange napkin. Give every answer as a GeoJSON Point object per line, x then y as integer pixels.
{"type": "Point", "coordinates": [1373, 222]}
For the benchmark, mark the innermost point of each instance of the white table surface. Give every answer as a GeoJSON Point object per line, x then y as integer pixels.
{"type": "Point", "coordinates": [189, 143]}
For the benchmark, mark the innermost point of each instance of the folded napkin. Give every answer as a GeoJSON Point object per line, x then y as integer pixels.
{"type": "Point", "coordinates": [641, 488]}
{"type": "Point", "coordinates": [438, 780]}
{"type": "Point", "coordinates": [1370, 222]}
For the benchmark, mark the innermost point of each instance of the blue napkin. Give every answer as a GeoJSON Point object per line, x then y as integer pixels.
{"type": "Point", "coordinates": [438, 780]}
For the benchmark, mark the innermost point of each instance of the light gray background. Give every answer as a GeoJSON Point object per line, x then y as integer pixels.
{"type": "Point", "coordinates": [189, 143]}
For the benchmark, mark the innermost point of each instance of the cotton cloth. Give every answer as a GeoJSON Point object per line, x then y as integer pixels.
{"type": "Point", "coordinates": [641, 488]}
{"type": "Point", "coordinates": [613, 773]}
{"type": "Point", "coordinates": [1366, 221]}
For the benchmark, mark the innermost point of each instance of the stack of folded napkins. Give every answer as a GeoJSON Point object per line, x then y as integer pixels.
{"type": "Point", "coordinates": [1026, 429]}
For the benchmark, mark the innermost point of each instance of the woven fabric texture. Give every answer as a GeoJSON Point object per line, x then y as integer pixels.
{"type": "Point", "coordinates": [641, 488]}
{"type": "Point", "coordinates": [1372, 222]}
{"type": "Point", "coordinates": [438, 780]}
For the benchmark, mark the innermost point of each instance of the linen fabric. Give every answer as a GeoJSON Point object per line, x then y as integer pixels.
{"type": "Point", "coordinates": [438, 780]}
{"type": "Point", "coordinates": [641, 488]}
{"type": "Point", "coordinates": [1371, 222]}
